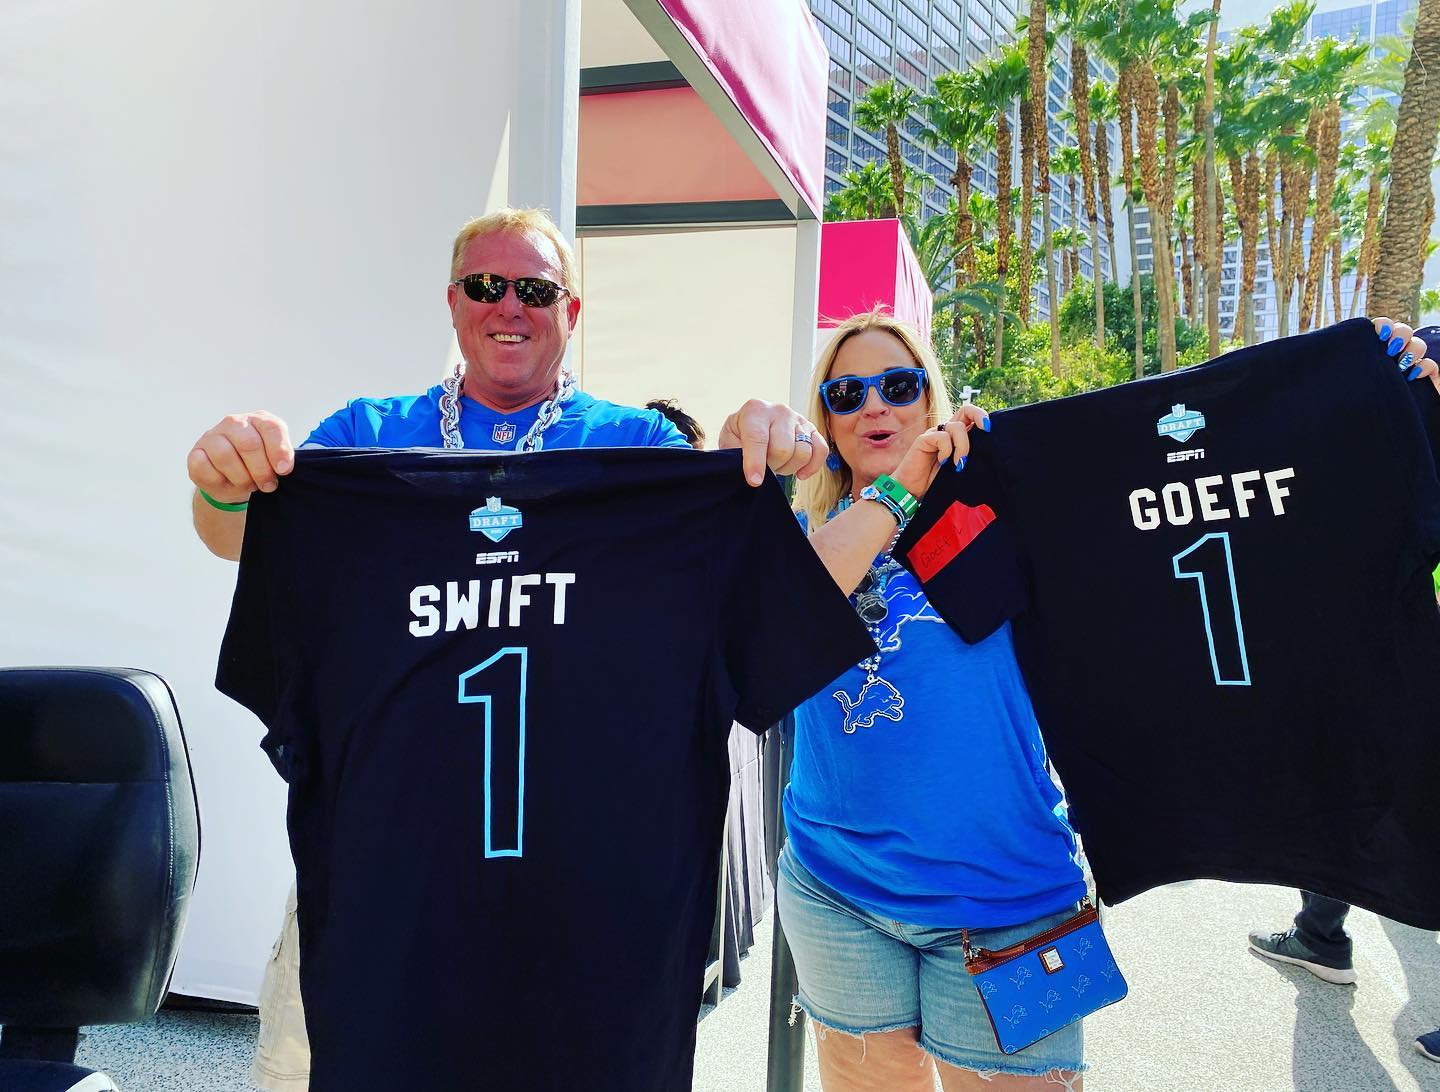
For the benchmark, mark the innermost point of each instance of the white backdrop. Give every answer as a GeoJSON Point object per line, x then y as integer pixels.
{"type": "Point", "coordinates": [212, 208]}
{"type": "Point", "coordinates": [703, 317]}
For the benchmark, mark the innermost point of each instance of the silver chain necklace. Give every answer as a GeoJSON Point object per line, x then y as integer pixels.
{"type": "Point", "coordinates": [550, 411]}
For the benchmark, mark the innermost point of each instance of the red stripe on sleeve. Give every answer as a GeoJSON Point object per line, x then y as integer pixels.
{"type": "Point", "coordinates": [952, 533]}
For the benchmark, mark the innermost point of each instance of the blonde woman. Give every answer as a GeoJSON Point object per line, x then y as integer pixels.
{"type": "Point", "coordinates": [919, 801]}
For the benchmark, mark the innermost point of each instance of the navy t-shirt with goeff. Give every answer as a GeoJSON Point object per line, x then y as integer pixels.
{"type": "Point", "coordinates": [500, 687]}
{"type": "Point", "coordinates": [1223, 608]}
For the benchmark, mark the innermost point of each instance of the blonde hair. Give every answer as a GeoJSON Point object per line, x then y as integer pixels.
{"type": "Point", "coordinates": [518, 221]}
{"type": "Point", "coordinates": [819, 495]}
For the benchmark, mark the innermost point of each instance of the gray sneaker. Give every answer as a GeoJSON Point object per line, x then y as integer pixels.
{"type": "Point", "coordinates": [1286, 948]}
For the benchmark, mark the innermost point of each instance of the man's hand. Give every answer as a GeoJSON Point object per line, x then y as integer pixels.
{"type": "Point", "coordinates": [243, 453]}
{"type": "Point", "coordinates": [774, 435]}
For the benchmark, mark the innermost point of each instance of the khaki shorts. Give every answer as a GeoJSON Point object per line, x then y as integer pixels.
{"type": "Point", "coordinates": [282, 1053]}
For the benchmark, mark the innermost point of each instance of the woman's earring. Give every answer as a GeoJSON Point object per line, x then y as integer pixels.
{"type": "Point", "coordinates": [832, 462]}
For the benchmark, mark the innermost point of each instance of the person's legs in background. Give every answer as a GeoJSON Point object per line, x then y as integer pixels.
{"type": "Point", "coordinates": [282, 1052]}
{"type": "Point", "coordinates": [1317, 941]}
{"type": "Point", "coordinates": [1429, 1045]}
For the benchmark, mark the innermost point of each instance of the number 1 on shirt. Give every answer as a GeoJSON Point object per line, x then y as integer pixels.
{"type": "Point", "coordinates": [1213, 569]}
{"type": "Point", "coordinates": [504, 754]}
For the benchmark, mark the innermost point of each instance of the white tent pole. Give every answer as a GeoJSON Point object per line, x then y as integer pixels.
{"type": "Point", "coordinates": [545, 110]}
{"type": "Point", "coordinates": [807, 300]}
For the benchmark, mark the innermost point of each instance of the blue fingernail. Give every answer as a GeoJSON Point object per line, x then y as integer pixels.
{"type": "Point", "coordinates": [985, 423]}
{"type": "Point", "coordinates": [1406, 360]}
{"type": "Point", "coordinates": [1414, 373]}
{"type": "Point", "coordinates": [1396, 344]}
{"type": "Point", "coordinates": [1385, 332]}
{"type": "Point", "coordinates": [960, 465]}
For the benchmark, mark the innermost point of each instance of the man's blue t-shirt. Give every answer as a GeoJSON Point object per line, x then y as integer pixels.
{"type": "Point", "coordinates": [414, 421]}
{"type": "Point", "coordinates": [924, 795]}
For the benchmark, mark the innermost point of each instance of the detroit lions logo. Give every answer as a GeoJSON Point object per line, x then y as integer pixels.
{"type": "Point", "coordinates": [907, 604]}
{"type": "Point", "coordinates": [877, 698]}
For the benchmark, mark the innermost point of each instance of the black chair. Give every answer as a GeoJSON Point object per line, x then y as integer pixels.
{"type": "Point", "coordinates": [99, 842]}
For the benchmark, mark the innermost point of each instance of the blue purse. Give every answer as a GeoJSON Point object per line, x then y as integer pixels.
{"type": "Point", "coordinates": [1046, 982]}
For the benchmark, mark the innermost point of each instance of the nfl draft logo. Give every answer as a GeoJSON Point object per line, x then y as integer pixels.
{"type": "Point", "coordinates": [1180, 424]}
{"type": "Point", "coordinates": [503, 433]}
{"type": "Point", "coordinates": [495, 520]}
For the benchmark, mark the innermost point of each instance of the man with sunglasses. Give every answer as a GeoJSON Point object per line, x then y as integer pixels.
{"type": "Point", "coordinates": [513, 307]}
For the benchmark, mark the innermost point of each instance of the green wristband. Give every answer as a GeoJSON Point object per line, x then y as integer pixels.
{"type": "Point", "coordinates": [902, 497]}
{"type": "Point", "coordinates": [213, 503]}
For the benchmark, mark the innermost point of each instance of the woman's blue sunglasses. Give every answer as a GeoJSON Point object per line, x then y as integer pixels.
{"type": "Point", "coordinates": [898, 386]}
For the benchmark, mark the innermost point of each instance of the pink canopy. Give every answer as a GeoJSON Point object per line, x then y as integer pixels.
{"type": "Point", "coordinates": [768, 57]}
{"type": "Point", "coordinates": [868, 262]}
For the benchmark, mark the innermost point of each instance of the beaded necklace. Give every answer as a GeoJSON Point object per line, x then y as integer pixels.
{"type": "Point", "coordinates": [869, 598]}
{"type": "Point", "coordinates": [550, 411]}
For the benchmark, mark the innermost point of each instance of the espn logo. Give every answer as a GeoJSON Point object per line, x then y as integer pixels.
{"type": "Point", "coordinates": [1185, 456]}
{"type": "Point", "coordinates": [504, 557]}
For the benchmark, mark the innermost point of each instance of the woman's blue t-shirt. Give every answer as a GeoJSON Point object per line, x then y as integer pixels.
{"type": "Point", "coordinates": [414, 421]}
{"type": "Point", "coordinates": [923, 795]}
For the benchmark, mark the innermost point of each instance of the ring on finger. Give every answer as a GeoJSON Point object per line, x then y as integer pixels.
{"type": "Point", "coordinates": [803, 438]}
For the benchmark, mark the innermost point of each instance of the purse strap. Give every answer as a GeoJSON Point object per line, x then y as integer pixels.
{"type": "Point", "coordinates": [976, 955]}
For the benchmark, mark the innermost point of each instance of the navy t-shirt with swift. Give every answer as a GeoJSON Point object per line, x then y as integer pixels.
{"type": "Point", "coordinates": [1220, 584]}
{"type": "Point", "coordinates": [500, 687]}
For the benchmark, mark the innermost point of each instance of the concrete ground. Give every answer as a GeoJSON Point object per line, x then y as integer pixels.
{"type": "Point", "coordinates": [1203, 1013]}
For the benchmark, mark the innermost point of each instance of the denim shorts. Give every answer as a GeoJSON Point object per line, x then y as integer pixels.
{"type": "Point", "coordinates": [860, 973]}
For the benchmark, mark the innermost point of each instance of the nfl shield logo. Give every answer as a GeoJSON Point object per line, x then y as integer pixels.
{"type": "Point", "coordinates": [495, 520]}
{"type": "Point", "coordinates": [1180, 424]}
{"type": "Point", "coordinates": [503, 433]}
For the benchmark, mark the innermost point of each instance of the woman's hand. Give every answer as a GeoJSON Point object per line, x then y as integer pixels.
{"type": "Point", "coordinates": [937, 447]}
{"type": "Point", "coordinates": [1407, 350]}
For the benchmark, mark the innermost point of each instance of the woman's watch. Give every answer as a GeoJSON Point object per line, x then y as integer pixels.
{"type": "Point", "coordinates": [900, 502]}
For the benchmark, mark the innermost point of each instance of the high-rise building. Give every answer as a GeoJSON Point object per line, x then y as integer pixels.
{"type": "Point", "coordinates": [913, 41]}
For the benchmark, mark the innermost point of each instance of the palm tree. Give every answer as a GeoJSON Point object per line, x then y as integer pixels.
{"type": "Point", "coordinates": [867, 195]}
{"type": "Point", "coordinates": [1374, 160]}
{"type": "Point", "coordinates": [1037, 59]}
{"type": "Point", "coordinates": [1002, 80]}
{"type": "Point", "coordinates": [1129, 172]}
{"type": "Point", "coordinates": [884, 108]}
{"type": "Point", "coordinates": [1411, 202]}
{"type": "Point", "coordinates": [984, 215]}
{"type": "Point", "coordinates": [1183, 202]}
{"type": "Point", "coordinates": [1066, 164]}
{"type": "Point", "coordinates": [933, 241]}
{"type": "Point", "coordinates": [1321, 78]}
{"type": "Point", "coordinates": [1103, 111]}
{"type": "Point", "coordinates": [1138, 41]}
{"type": "Point", "coordinates": [1238, 134]}
{"type": "Point", "coordinates": [1210, 186]}
{"type": "Point", "coordinates": [957, 119]}
{"type": "Point", "coordinates": [1074, 19]}
{"type": "Point", "coordinates": [1175, 67]}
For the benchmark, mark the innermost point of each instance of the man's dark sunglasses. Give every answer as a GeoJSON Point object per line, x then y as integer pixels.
{"type": "Point", "coordinates": [530, 291]}
{"type": "Point", "coordinates": [898, 386]}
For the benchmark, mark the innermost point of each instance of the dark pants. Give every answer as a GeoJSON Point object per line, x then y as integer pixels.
{"type": "Point", "coordinates": [1320, 926]}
